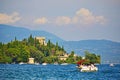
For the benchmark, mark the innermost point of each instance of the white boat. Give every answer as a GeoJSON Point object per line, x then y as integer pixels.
{"type": "Point", "coordinates": [36, 63]}
{"type": "Point", "coordinates": [56, 63]}
{"type": "Point", "coordinates": [64, 64]}
{"type": "Point", "coordinates": [111, 64]}
{"type": "Point", "coordinates": [44, 63]}
{"type": "Point", "coordinates": [89, 68]}
{"type": "Point", "coordinates": [21, 63]}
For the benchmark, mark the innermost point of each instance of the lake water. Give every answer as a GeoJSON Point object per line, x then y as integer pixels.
{"type": "Point", "coordinates": [56, 72]}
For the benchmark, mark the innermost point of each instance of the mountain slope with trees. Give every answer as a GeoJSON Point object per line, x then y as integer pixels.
{"type": "Point", "coordinates": [19, 51]}
{"type": "Point", "coordinates": [109, 50]}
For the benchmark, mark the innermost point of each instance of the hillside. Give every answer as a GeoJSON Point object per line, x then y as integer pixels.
{"type": "Point", "coordinates": [8, 33]}
{"type": "Point", "coordinates": [109, 51]}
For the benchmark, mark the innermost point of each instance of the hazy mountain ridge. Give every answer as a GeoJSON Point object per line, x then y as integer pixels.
{"type": "Point", "coordinates": [109, 50]}
{"type": "Point", "coordinates": [8, 33]}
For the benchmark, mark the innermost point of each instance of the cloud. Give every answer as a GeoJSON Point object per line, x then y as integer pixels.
{"type": "Point", "coordinates": [85, 17]}
{"type": "Point", "coordinates": [42, 20]}
{"type": "Point", "coordinates": [100, 19]}
{"type": "Point", "coordinates": [62, 20]}
{"type": "Point", "coordinates": [82, 17]}
{"type": "Point", "coordinates": [83, 12]}
{"type": "Point", "coordinates": [6, 19]}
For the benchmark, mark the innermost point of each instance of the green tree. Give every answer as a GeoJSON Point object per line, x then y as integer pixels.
{"type": "Point", "coordinates": [49, 44]}
{"type": "Point", "coordinates": [92, 58]}
{"type": "Point", "coordinates": [31, 40]}
{"type": "Point", "coordinates": [24, 54]}
{"type": "Point", "coordinates": [71, 58]}
{"type": "Point", "coordinates": [37, 44]}
{"type": "Point", "coordinates": [24, 42]}
{"type": "Point", "coordinates": [56, 46]}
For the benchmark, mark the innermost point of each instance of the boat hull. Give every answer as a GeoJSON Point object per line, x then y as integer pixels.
{"type": "Point", "coordinates": [87, 69]}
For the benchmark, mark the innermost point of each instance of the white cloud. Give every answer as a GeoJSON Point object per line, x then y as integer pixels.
{"type": "Point", "coordinates": [100, 19]}
{"type": "Point", "coordinates": [42, 20]}
{"type": "Point", "coordinates": [85, 17]}
{"type": "Point", "coordinates": [82, 16]}
{"type": "Point", "coordinates": [83, 12]}
{"type": "Point", "coordinates": [6, 19]}
{"type": "Point", "coordinates": [62, 20]}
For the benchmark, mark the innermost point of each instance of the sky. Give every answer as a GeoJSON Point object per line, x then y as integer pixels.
{"type": "Point", "coordinates": [71, 20]}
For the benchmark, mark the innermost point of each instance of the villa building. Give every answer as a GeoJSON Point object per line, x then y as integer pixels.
{"type": "Point", "coordinates": [64, 57]}
{"type": "Point", "coordinates": [41, 40]}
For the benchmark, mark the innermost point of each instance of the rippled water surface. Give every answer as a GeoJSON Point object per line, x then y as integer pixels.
{"type": "Point", "coordinates": [56, 72]}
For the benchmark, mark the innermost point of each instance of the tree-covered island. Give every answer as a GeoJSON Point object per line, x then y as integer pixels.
{"type": "Point", "coordinates": [19, 51]}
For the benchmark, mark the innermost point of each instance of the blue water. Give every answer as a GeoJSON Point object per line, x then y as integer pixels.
{"type": "Point", "coordinates": [56, 72]}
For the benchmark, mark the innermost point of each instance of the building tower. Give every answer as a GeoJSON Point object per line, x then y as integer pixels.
{"type": "Point", "coordinates": [41, 40]}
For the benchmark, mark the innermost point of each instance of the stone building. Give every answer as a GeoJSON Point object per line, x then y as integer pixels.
{"type": "Point", "coordinates": [41, 40]}
{"type": "Point", "coordinates": [31, 61]}
{"type": "Point", "coordinates": [64, 57]}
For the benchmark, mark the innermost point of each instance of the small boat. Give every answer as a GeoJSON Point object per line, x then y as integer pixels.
{"type": "Point", "coordinates": [21, 63]}
{"type": "Point", "coordinates": [36, 63]}
{"type": "Point", "coordinates": [86, 68]}
{"type": "Point", "coordinates": [56, 63]}
{"type": "Point", "coordinates": [44, 63]}
{"type": "Point", "coordinates": [90, 68]}
{"type": "Point", "coordinates": [111, 64]}
{"type": "Point", "coordinates": [64, 64]}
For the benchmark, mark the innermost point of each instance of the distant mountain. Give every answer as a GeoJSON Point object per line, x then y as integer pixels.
{"type": "Point", "coordinates": [109, 51]}
{"type": "Point", "coordinates": [8, 33]}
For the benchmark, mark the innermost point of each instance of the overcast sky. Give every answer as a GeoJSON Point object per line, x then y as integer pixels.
{"type": "Point", "coordinates": [68, 19]}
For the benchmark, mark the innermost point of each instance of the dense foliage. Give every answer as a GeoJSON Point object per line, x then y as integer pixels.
{"type": "Point", "coordinates": [91, 58]}
{"type": "Point", "coordinates": [19, 51]}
